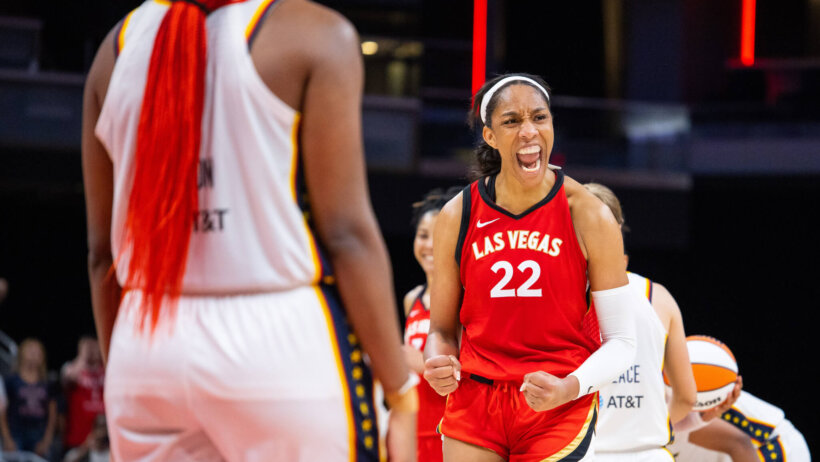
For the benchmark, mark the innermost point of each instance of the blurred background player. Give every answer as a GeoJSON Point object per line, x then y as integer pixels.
{"type": "Point", "coordinates": [635, 420]}
{"type": "Point", "coordinates": [417, 312]}
{"type": "Point", "coordinates": [82, 382]}
{"type": "Point", "coordinates": [201, 149]}
{"type": "Point", "coordinates": [750, 430]}
{"type": "Point", "coordinates": [524, 238]}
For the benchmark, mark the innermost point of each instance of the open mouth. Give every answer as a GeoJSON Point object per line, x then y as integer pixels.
{"type": "Point", "coordinates": [529, 158]}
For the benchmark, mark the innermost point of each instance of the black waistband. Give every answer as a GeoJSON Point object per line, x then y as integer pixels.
{"type": "Point", "coordinates": [481, 379]}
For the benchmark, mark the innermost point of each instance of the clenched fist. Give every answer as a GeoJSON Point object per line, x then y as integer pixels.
{"type": "Point", "coordinates": [443, 373]}
{"type": "Point", "coordinates": [544, 391]}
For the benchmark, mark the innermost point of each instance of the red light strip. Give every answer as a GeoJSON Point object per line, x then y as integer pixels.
{"type": "Point", "coordinates": [747, 33]}
{"type": "Point", "coordinates": [479, 43]}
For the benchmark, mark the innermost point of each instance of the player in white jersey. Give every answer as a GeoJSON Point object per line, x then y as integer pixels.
{"type": "Point", "coordinates": [749, 422]}
{"type": "Point", "coordinates": [206, 125]}
{"type": "Point", "coordinates": [635, 420]}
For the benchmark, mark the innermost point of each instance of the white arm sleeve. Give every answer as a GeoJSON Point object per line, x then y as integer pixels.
{"type": "Point", "coordinates": [616, 318]}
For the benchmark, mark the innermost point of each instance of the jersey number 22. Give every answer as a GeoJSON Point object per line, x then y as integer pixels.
{"type": "Point", "coordinates": [524, 290]}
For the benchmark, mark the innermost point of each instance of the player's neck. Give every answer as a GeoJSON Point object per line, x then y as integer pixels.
{"type": "Point", "coordinates": [29, 375]}
{"type": "Point", "coordinates": [516, 197]}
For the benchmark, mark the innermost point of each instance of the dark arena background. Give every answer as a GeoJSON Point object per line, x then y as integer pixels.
{"type": "Point", "coordinates": [710, 138]}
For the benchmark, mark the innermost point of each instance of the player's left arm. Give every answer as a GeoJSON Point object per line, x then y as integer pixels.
{"type": "Point", "coordinates": [600, 237]}
{"type": "Point", "coordinates": [724, 437]}
{"type": "Point", "coordinates": [676, 365]}
{"type": "Point", "coordinates": [98, 179]}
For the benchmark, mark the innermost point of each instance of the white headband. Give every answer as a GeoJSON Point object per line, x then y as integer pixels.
{"type": "Point", "coordinates": [489, 95]}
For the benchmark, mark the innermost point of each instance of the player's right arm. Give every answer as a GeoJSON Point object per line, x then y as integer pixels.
{"type": "Point", "coordinates": [724, 437]}
{"type": "Point", "coordinates": [441, 367]}
{"type": "Point", "coordinates": [98, 181]}
{"type": "Point", "coordinates": [676, 365]}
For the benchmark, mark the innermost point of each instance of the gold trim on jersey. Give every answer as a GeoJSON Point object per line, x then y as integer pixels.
{"type": "Point", "coordinates": [257, 15]}
{"type": "Point", "coordinates": [578, 438]}
{"type": "Point", "coordinates": [121, 35]}
{"type": "Point", "coordinates": [294, 181]}
{"type": "Point", "coordinates": [334, 342]}
{"type": "Point", "coordinates": [670, 436]}
{"type": "Point", "coordinates": [294, 162]}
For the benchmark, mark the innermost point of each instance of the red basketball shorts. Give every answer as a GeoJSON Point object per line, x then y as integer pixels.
{"type": "Point", "coordinates": [429, 449]}
{"type": "Point", "coordinates": [496, 416]}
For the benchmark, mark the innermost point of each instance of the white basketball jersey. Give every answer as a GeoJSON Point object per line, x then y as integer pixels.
{"type": "Point", "coordinates": [250, 233]}
{"type": "Point", "coordinates": [634, 415]}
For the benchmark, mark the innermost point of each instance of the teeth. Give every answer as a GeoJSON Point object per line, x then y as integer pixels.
{"type": "Point", "coordinates": [534, 168]}
{"type": "Point", "coordinates": [530, 150]}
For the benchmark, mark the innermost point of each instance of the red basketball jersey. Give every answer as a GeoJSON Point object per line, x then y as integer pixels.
{"type": "Point", "coordinates": [524, 276]}
{"type": "Point", "coordinates": [431, 404]}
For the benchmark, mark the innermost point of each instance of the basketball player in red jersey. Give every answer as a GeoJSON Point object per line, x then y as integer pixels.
{"type": "Point", "coordinates": [522, 241]}
{"type": "Point", "coordinates": [417, 311]}
{"type": "Point", "coordinates": [204, 124]}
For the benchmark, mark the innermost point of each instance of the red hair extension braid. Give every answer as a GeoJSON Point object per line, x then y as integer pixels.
{"type": "Point", "coordinates": [163, 198]}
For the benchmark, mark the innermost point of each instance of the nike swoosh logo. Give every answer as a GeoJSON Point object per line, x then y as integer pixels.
{"type": "Point", "coordinates": [481, 225]}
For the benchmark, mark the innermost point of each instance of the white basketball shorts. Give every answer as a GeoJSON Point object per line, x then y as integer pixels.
{"type": "Point", "coordinates": [648, 455]}
{"type": "Point", "coordinates": [266, 377]}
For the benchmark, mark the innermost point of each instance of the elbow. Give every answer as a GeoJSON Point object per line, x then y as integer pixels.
{"type": "Point", "coordinates": [685, 394]}
{"type": "Point", "coordinates": [348, 238]}
{"type": "Point", "coordinates": [688, 399]}
{"type": "Point", "coordinates": [682, 402]}
{"type": "Point", "coordinates": [99, 258]}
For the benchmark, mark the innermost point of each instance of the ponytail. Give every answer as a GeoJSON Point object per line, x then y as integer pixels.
{"type": "Point", "coordinates": [163, 199]}
{"type": "Point", "coordinates": [487, 161]}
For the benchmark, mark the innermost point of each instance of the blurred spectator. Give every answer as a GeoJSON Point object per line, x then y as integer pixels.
{"type": "Point", "coordinates": [82, 380]}
{"type": "Point", "coordinates": [95, 446]}
{"type": "Point", "coordinates": [28, 422]}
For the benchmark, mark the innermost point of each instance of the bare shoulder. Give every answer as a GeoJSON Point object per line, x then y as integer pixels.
{"type": "Point", "coordinates": [664, 304]}
{"type": "Point", "coordinates": [301, 43]}
{"type": "Point", "coordinates": [411, 296]}
{"type": "Point", "coordinates": [451, 212]}
{"type": "Point", "coordinates": [318, 24]}
{"type": "Point", "coordinates": [588, 212]}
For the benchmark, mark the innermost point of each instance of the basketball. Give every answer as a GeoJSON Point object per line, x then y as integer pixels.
{"type": "Point", "coordinates": [715, 370]}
